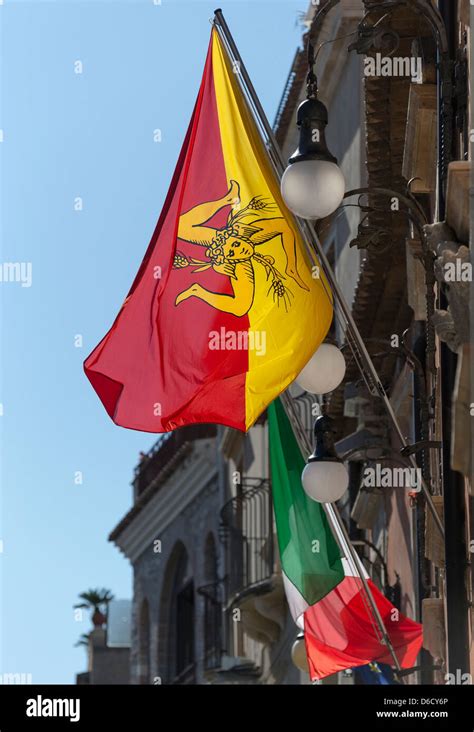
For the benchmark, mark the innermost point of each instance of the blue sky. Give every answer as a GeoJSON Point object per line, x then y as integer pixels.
{"type": "Point", "coordinates": [87, 135]}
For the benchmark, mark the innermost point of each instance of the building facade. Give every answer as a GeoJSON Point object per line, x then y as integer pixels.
{"type": "Point", "coordinates": [412, 310]}
{"type": "Point", "coordinates": [170, 537]}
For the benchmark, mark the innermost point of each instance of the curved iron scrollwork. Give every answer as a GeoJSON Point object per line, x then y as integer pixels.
{"type": "Point", "coordinates": [375, 37]}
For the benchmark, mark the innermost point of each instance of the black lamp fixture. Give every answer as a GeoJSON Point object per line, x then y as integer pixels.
{"type": "Point", "coordinates": [325, 478]}
{"type": "Point", "coordinates": [312, 186]}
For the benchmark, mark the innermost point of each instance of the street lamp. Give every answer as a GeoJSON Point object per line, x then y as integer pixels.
{"type": "Point", "coordinates": [324, 371]}
{"type": "Point", "coordinates": [325, 478]}
{"type": "Point", "coordinates": [312, 186]}
{"type": "Point", "coordinates": [298, 653]}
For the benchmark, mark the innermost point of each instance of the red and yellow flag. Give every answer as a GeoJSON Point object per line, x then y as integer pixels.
{"type": "Point", "coordinates": [224, 311]}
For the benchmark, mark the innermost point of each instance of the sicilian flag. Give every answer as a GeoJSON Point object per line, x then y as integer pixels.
{"type": "Point", "coordinates": [224, 311]}
{"type": "Point", "coordinates": [325, 597]}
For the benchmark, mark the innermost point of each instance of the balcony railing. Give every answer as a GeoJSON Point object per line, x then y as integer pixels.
{"type": "Point", "coordinates": [164, 450]}
{"type": "Point", "coordinates": [247, 529]}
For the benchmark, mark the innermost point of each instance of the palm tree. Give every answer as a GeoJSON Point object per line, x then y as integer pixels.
{"type": "Point", "coordinates": [83, 641]}
{"type": "Point", "coordinates": [98, 601]}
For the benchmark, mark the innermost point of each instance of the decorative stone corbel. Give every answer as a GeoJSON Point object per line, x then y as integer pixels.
{"type": "Point", "coordinates": [258, 627]}
{"type": "Point", "coordinates": [437, 233]}
{"type": "Point", "coordinates": [453, 268]}
{"type": "Point", "coordinates": [273, 604]}
{"type": "Point", "coordinates": [434, 634]}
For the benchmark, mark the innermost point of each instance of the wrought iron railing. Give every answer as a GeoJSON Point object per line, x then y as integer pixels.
{"type": "Point", "coordinates": [247, 529]}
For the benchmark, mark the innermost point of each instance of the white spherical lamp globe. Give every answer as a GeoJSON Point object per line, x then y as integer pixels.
{"type": "Point", "coordinates": [324, 371]}
{"type": "Point", "coordinates": [313, 189]}
{"type": "Point", "coordinates": [298, 653]}
{"type": "Point", "coordinates": [325, 481]}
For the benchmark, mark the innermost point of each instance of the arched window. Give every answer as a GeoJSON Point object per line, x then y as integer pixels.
{"type": "Point", "coordinates": [210, 560]}
{"type": "Point", "coordinates": [144, 644]}
{"type": "Point", "coordinates": [212, 600]}
{"type": "Point", "coordinates": [182, 610]}
{"type": "Point", "coordinates": [176, 653]}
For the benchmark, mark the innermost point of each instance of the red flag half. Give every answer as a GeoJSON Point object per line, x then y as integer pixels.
{"type": "Point", "coordinates": [340, 630]}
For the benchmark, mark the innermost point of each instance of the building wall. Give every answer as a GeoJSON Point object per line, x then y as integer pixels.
{"type": "Point", "coordinates": [174, 524]}
{"type": "Point", "coordinates": [106, 665]}
{"type": "Point", "coordinates": [153, 583]}
{"type": "Point", "coordinates": [346, 141]}
{"type": "Point", "coordinates": [111, 666]}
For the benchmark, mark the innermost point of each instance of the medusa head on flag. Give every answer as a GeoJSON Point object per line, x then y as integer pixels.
{"type": "Point", "coordinates": [231, 251]}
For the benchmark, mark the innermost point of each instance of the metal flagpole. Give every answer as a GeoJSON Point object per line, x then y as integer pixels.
{"type": "Point", "coordinates": [338, 525]}
{"type": "Point", "coordinates": [318, 257]}
{"type": "Point", "coordinates": [330, 510]}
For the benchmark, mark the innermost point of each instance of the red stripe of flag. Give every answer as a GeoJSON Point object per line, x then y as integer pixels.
{"type": "Point", "coordinates": [340, 631]}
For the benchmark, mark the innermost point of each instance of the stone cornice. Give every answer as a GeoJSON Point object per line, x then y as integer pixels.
{"type": "Point", "coordinates": [198, 469]}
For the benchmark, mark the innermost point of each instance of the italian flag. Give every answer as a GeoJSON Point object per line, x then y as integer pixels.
{"type": "Point", "coordinates": [325, 598]}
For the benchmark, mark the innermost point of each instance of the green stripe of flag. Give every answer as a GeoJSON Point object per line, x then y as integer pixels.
{"type": "Point", "coordinates": [310, 555]}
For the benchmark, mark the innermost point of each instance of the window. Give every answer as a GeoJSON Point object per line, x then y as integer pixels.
{"type": "Point", "coordinates": [144, 644]}
{"type": "Point", "coordinates": [185, 628]}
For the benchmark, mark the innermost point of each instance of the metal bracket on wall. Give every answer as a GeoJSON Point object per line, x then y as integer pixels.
{"type": "Point", "coordinates": [419, 446]}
